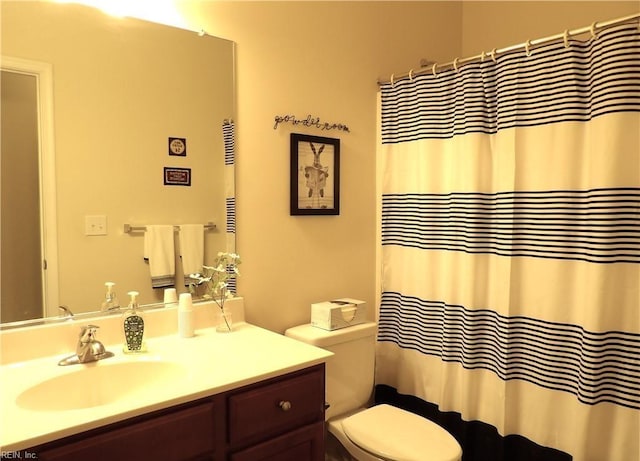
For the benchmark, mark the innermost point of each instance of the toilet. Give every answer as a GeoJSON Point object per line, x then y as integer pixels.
{"type": "Point", "coordinates": [377, 433]}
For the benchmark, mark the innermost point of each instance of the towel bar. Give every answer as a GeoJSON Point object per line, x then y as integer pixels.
{"type": "Point", "coordinates": [128, 228]}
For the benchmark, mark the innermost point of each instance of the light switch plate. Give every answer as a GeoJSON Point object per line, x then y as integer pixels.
{"type": "Point", "coordinates": [95, 225]}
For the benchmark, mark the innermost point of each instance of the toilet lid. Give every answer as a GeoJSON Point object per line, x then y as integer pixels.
{"type": "Point", "coordinates": [394, 434]}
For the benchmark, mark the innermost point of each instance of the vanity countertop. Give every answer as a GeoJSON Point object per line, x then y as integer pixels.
{"type": "Point", "coordinates": [213, 363]}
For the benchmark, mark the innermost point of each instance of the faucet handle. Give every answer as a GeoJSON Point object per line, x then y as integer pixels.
{"type": "Point", "coordinates": [88, 333]}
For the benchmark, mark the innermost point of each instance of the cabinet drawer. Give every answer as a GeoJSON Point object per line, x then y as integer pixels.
{"type": "Point", "coordinates": [304, 444]}
{"type": "Point", "coordinates": [276, 406]}
{"type": "Point", "coordinates": [180, 435]}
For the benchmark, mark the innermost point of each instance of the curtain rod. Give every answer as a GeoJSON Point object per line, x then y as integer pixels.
{"type": "Point", "coordinates": [456, 63]}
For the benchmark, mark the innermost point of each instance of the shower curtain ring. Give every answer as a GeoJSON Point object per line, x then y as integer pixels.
{"type": "Point", "coordinates": [566, 38]}
{"type": "Point", "coordinates": [411, 75]}
{"type": "Point", "coordinates": [593, 30]}
{"type": "Point", "coordinates": [527, 48]}
{"type": "Point", "coordinates": [482, 56]}
{"type": "Point", "coordinates": [493, 55]}
{"type": "Point", "coordinates": [391, 80]}
{"type": "Point", "coordinates": [455, 64]}
{"type": "Point", "coordinates": [433, 69]}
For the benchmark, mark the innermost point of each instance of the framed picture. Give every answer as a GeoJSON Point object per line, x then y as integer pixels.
{"type": "Point", "coordinates": [177, 176]}
{"type": "Point", "coordinates": [178, 146]}
{"type": "Point", "coordinates": [315, 175]}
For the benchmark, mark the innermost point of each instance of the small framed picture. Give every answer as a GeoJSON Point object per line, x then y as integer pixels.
{"type": "Point", "coordinates": [178, 146]}
{"type": "Point", "coordinates": [177, 176]}
{"type": "Point", "coordinates": [315, 175]}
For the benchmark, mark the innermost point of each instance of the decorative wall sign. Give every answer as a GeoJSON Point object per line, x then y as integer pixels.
{"type": "Point", "coordinates": [309, 122]}
{"type": "Point", "coordinates": [177, 176]}
{"type": "Point", "coordinates": [178, 146]}
{"type": "Point", "coordinates": [315, 175]}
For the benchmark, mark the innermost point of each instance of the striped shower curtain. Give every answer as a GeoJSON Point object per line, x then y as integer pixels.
{"type": "Point", "coordinates": [510, 309]}
{"type": "Point", "coordinates": [229, 139]}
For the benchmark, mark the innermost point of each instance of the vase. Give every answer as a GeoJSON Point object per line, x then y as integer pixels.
{"type": "Point", "coordinates": [224, 321]}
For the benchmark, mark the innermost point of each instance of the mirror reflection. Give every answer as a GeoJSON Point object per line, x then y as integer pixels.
{"type": "Point", "coordinates": [110, 93]}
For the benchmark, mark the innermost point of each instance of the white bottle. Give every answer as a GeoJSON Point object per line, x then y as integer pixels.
{"type": "Point", "coordinates": [185, 316]}
{"type": "Point", "coordinates": [110, 299]}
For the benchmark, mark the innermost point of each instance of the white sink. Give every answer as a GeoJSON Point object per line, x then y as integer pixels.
{"type": "Point", "coordinates": [99, 383]}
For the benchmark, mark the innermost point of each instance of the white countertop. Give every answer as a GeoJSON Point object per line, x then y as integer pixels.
{"type": "Point", "coordinates": [214, 362]}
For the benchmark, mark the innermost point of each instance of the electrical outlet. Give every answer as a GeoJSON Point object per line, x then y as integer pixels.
{"type": "Point", "coordinates": [95, 225]}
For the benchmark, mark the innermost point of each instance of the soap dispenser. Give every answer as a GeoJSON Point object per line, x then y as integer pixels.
{"type": "Point", "coordinates": [110, 299]}
{"type": "Point", "coordinates": [133, 326]}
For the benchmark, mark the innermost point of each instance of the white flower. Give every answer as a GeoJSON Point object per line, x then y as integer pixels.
{"type": "Point", "coordinates": [216, 278]}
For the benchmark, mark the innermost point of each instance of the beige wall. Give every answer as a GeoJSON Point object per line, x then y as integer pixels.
{"type": "Point", "coordinates": [323, 58]}
{"type": "Point", "coordinates": [488, 25]}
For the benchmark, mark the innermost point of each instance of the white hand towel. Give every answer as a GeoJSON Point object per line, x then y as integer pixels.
{"type": "Point", "coordinates": [160, 252]}
{"type": "Point", "coordinates": [191, 249]}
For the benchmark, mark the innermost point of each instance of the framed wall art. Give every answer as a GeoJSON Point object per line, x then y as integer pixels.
{"type": "Point", "coordinates": [178, 146]}
{"type": "Point", "coordinates": [177, 176]}
{"type": "Point", "coordinates": [315, 175]}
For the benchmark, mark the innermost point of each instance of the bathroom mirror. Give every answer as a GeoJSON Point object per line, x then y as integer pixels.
{"type": "Point", "coordinates": [120, 89]}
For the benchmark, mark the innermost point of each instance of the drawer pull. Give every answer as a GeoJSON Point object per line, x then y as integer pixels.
{"type": "Point", "coordinates": [284, 405]}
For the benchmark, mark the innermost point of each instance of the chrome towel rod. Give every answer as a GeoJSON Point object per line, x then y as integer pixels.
{"type": "Point", "coordinates": [128, 228]}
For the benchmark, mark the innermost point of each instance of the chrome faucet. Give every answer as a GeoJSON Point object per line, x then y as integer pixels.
{"type": "Point", "coordinates": [88, 349]}
{"type": "Point", "coordinates": [66, 312]}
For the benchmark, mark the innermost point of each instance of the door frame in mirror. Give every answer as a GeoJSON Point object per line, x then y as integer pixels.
{"type": "Point", "coordinates": [43, 72]}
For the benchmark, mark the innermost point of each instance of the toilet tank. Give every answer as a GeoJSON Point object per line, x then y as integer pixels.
{"type": "Point", "coordinates": [350, 371]}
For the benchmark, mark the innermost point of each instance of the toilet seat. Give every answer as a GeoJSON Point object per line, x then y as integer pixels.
{"type": "Point", "coordinates": [394, 434]}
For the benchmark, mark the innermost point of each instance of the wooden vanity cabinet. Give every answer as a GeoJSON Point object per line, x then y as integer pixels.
{"type": "Point", "coordinates": [279, 419]}
{"type": "Point", "coordinates": [172, 435]}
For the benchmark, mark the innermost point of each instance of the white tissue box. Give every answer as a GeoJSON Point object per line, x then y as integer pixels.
{"type": "Point", "coordinates": [338, 313]}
